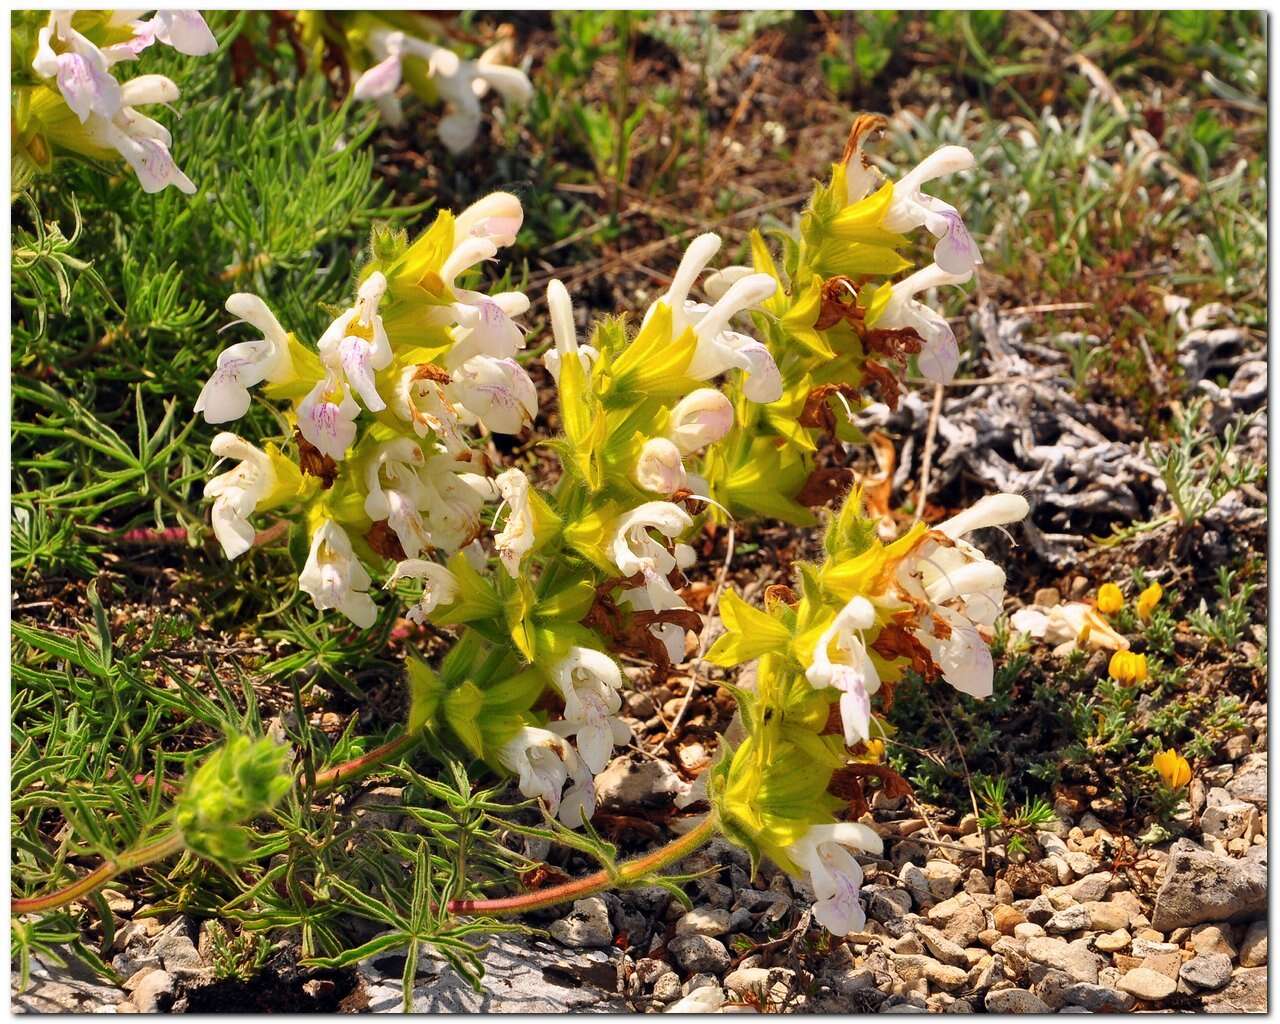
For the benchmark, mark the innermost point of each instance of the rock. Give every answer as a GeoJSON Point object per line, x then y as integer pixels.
{"type": "Point", "coordinates": [1028, 930]}
{"type": "Point", "coordinates": [703, 921]}
{"type": "Point", "coordinates": [1210, 971]}
{"type": "Point", "coordinates": [667, 987]}
{"type": "Point", "coordinates": [1013, 1000]}
{"type": "Point", "coordinates": [1074, 958]}
{"type": "Point", "coordinates": [697, 981]}
{"type": "Point", "coordinates": [1090, 887]}
{"type": "Point", "coordinates": [707, 999]}
{"type": "Point", "coordinates": [1200, 886]}
{"type": "Point", "coordinates": [886, 902]}
{"type": "Point", "coordinates": [765, 982]}
{"type": "Point", "coordinates": [633, 782]}
{"type": "Point", "coordinates": [586, 926]}
{"type": "Point", "coordinates": [1106, 917]}
{"type": "Point", "coordinates": [178, 953]}
{"type": "Point", "coordinates": [1147, 984]}
{"type": "Point", "coordinates": [1039, 910]}
{"type": "Point", "coordinates": [1253, 947]}
{"type": "Point", "coordinates": [380, 807]}
{"type": "Point", "coordinates": [62, 990]}
{"type": "Point", "coordinates": [1209, 938]}
{"type": "Point", "coordinates": [1167, 964]}
{"type": "Point", "coordinates": [975, 882]}
{"type": "Point", "coordinates": [943, 878]}
{"type": "Point", "coordinates": [915, 882]}
{"type": "Point", "coordinates": [699, 953]}
{"type": "Point", "coordinates": [1073, 919]}
{"type": "Point", "coordinates": [945, 976]}
{"type": "Point", "coordinates": [1237, 747]}
{"type": "Point", "coordinates": [1245, 993]}
{"type": "Point", "coordinates": [1112, 942]}
{"type": "Point", "coordinates": [1250, 780]}
{"type": "Point", "coordinates": [1099, 998]}
{"type": "Point", "coordinates": [1081, 864]}
{"type": "Point", "coordinates": [1229, 821]}
{"type": "Point", "coordinates": [942, 947]}
{"type": "Point", "coordinates": [1006, 918]}
{"type": "Point", "coordinates": [1146, 947]}
{"type": "Point", "coordinates": [154, 993]}
{"type": "Point", "coordinates": [962, 921]}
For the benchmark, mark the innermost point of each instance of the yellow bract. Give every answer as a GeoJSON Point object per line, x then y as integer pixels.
{"type": "Point", "coordinates": [1173, 768]}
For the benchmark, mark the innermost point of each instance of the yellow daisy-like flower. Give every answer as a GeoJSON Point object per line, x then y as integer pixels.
{"type": "Point", "coordinates": [1127, 667]}
{"type": "Point", "coordinates": [1110, 600]}
{"type": "Point", "coordinates": [1148, 600]}
{"type": "Point", "coordinates": [1173, 768]}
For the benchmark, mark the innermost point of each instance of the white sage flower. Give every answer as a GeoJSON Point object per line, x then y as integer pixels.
{"type": "Point", "coordinates": [226, 395]}
{"type": "Point", "coordinates": [963, 590]}
{"type": "Point", "coordinates": [453, 498]}
{"type": "Point", "coordinates": [824, 852]}
{"type": "Point", "coordinates": [939, 355]}
{"type": "Point", "coordinates": [334, 577]}
{"type": "Point", "coordinates": [420, 399]}
{"type": "Point", "coordinates": [516, 537]}
{"type": "Point", "coordinates": [720, 349]}
{"type": "Point", "coordinates": [701, 418]}
{"type": "Point", "coordinates": [956, 251]}
{"type": "Point", "coordinates": [495, 392]}
{"type": "Point", "coordinates": [327, 416]}
{"type": "Point", "coordinates": [565, 333]}
{"type": "Point", "coordinates": [141, 141]}
{"type": "Point", "coordinates": [356, 342]}
{"type": "Point", "coordinates": [496, 217]}
{"type": "Point", "coordinates": [850, 670]}
{"type": "Point", "coordinates": [238, 492]}
{"type": "Point", "coordinates": [439, 586]}
{"type": "Point", "coordinates": [185, 31]}
{"type": "Point", "coordinates": [78, 66]}
{"type": "Point", "coordinates": [400, 462]}
{"type": "Point", "coordinates": [658, 468]}
{"type": "Point", "coordinates": [543, 762]}
{"type": "Point", "coordinates": [589, 682]}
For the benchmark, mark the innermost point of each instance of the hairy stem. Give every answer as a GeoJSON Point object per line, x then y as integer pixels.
{"type": "Point", "coordinates": [365, 763]}
{"type": "Point", "coordinates": [167, 845]}
{"type": "Point", "coordinates": [630, 872]}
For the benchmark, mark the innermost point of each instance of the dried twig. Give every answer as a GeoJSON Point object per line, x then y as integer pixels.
{"type": "Point", "coordinates": [927, 458]}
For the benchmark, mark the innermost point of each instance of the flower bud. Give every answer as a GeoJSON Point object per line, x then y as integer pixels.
{"type": "Point", "coordinates": [700, 418]}
{"type": "Point", "coordinates": [659, 469]}
{"type": "Point", "coordinates": [240, 781]}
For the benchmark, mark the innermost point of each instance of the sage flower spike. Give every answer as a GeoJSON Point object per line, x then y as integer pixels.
{"type": "Point", "coordinates": [225, 396]}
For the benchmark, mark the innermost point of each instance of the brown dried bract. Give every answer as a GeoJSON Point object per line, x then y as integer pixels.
{"type": "Point", "coordinates": [863, 127]}
{"type": "Point", "coordinates": [848, 786]}
{"type": "Point", "coordinates": [896, 343]}
{"type": "Point", "coordinates": [384, 541]}
{"type": "Point", "coordinates": [817, 412]}
{"type": "Point", "coordinates": [883, 379]}
{"type": "Point", "coordinates": [430, 371]}
{"type": "Point", "coordinates": [313, 462]}
{"type": "Point", "coordinates": [541, 876]}
{"type": "Point", "coordinates": [776, 592]}
{"type": "Point", "coordinates": [825, 485]}
{"type": "Point", "coordinates": [896, 642]}
{"type": "Point", "coordinates": [839, 302]}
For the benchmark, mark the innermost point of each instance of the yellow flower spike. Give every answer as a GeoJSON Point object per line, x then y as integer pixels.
{"type": "Point", "coordinates": [1110, 600]}
{"type": "Point", "coordinates": [1128, 668]}
{"type": "Point", "coordinates": [1148, 600]}
{"type": "Point", "coordinates": [1173, 768]}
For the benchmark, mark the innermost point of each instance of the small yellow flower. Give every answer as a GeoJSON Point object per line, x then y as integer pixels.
{"type": "Point", "coordinates": [1127, 667]}
{"type": "Point", "coordinates": [1110, 600]}
{"type": "Point", "coordinates": [1173, 768]}
{"type": "Point", "coordinates": [1148, 599]}
{"type": "Point", "coordinates": [875, 750]}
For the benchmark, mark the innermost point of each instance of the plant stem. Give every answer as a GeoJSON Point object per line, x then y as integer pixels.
{"type": "Point", "coordinates": [631, 871]}
{"type": "Point", "coordinates": [365, 763]}
{"type": "Point", "coordinates": [169, 843]}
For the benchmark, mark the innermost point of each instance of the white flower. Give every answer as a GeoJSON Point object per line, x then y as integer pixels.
{"type": "Point", "coordinates": [439, 586]}
{"type": "Point", "coordinates": [634, 552]}
{"type": "Point", "coordinates": [460, 83]}
{"type": "Point", "coordinates": [80, 69]}
{"type": "Point", "coordinates": [658, 468]}
{"type": "Point", "coordinates": [939, 355]}
{"type": "Point", "coordinates": [226, 395]}
{"type": "Point", "coordinates": [420, 399]}
{"type": "Point", "coordinates": [356, 342]}
{"type": "Point", "coordinates": [452, 500]}
{"type": "Point", "coordinates": [589, 681]}
{"type": "Point", "coordinates": [495, 392]}
{"type": "Point", "coordinates": [543, 762]}
{"type": "Point", "coordinates": [327, 417]}
{"type": "Point", "coordinates": [142, 142]}
{"type": "Point", "coordinates": [851, 671]}
{"type": "Point", "coordinates": [1069, 626]}
{"type": "Point", "coordinates": [701, 418]}
{"type": "Point", "coordinates": [400, 461]}
{"type": "Point", "coordinates": [516, 538]}
{"type": "Point", "coordinates": [334, 577]}
{"type": "Point", "coordinates": [560, 306]}
{"type": "Point", "coordinates": [237, 492]}
{"type": "Point", "coordinates": [963, 591]}
{"type": "Point", "coordinates": [485, 324]}
{"type": "Point", "coordinates": [496, 217]}
{"type": "Point", "coordinates": [956, 251]}
{"type": "Point", "coordinates": [836, 876]}
{"type": "Point", "coordinates": [720, 349]}
{"type": "Point", "coordinates": [185, 31]}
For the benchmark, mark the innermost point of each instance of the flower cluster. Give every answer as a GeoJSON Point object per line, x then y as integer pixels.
{"type": "Point", "coordinates": [394, 48]}
{"type": "Point", "coordinates": [863, 617]}
{"type": "Point", "coordinates": [78, 104]}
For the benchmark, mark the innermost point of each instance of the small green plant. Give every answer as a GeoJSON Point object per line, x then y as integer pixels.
{"type": "Point", "coordinates": [1227, 625]}
{"type": "Point", "coordinates": [995, 812]}
{"type": "Point", "coordinates": [238, 957]}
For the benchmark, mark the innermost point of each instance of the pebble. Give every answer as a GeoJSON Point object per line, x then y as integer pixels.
{"type": "Point", "coordinates": [1147, 984]}
{"type": "Point", "coordinates": [1112, 942]}
{"type": "Point", "coordinates": [1028, 930]}
{"type": "Point", "coordinates": [1006, 918]}
{"type": "Point", "coordinates": [632, 782]}
{"type": "Point", "coordinates": [586, 926]}
{"type": "Point", "coordinates": [1074, 958]}
{"type": "Point", "coordinates": [667, 986]}
{"type": "Point", "coordinates": [1250, 780]}
{"type": "Point", "coordinates": [1090, 887]}
{"type": "Point", "coordinates": [1200, 886]}
{"type": "Point", "coordinates": [1209, 938]}
{"type": "Point", "coordinates": [153, 993]}
{"type": "Point", "coordinates": [703, 921]}
{"type": "Point", "coordinates": [1210, 971]}
{"type": "Point", "coordinates": [942, 947]}
{"type": "Point", "coordinates": [1014, 1000]}
{"type": "Point", "coordinates": [1253, 948]}
{"type": "Point", "coordinates": [699, 953]}
{"type": "Point", "coordinates": [1073, 919]}
{"type": "Point", "coordinates": [1106, 917]}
